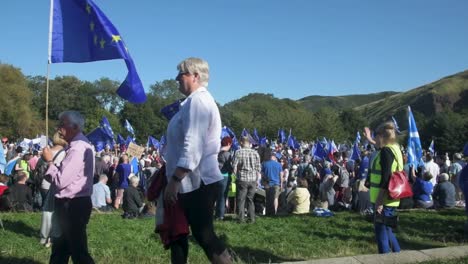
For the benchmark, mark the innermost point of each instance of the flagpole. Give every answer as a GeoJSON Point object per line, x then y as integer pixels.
{"type": "Point", "coordinates": [47, 102]}
{"type": "Point", "coordinates": [48, 67]}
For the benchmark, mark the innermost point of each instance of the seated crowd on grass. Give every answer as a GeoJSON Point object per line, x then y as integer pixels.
{"type": "Point", "coordinates": [337, 182]}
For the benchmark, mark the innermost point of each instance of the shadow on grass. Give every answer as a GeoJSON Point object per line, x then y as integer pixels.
{"type": "Point", "coordinates": [249, 255]}
{"type": "Point", "coordinates": [13, 260]}
{"type": "Point", "coordinates": [19, 227]}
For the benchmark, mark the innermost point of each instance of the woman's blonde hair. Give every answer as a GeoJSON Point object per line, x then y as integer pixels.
{"type": "Point", "coordinates": [57, 140]}
{"type": "Point", "coordinates": [387, 132]}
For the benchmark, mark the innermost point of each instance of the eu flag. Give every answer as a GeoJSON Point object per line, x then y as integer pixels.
{"type": "Point", "coordinates": [99, 138]}
{"type": "Point", "coordinates": [105, 125]}
{"type": "Point", "coordinates": [170, 110]}
{"type": "Point", "coordinates": [356, 153]}
{"type": "Point", "coordinates": [81, 32]}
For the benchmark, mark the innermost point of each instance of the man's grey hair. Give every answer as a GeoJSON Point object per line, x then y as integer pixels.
{"type": "Point", "coordinates": [102, 177]}
{"type": "Point", "coordinates": [134, 180]}
{"type": "Point", "coordinates": [196, 65]}
{"type": "Point", "coordinates": [74, 117]}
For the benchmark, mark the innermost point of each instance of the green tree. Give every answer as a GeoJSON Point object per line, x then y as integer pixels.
{"type": "Point", "coordinates": [17, 118]}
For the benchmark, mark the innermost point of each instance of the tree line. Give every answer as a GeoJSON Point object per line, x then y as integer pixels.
{"type": "Point", "coordinates": [22, 112]}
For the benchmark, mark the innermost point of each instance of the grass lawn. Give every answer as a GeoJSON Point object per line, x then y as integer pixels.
{"type": "Point", "coordinates": [292, 238]}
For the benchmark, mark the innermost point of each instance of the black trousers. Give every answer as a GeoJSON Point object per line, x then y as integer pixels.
{"type": "Point", "coordinates": [198, 207]}
{"type": "Point", "coordinates": [73, 216]}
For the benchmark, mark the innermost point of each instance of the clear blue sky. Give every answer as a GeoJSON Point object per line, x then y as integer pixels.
{"type": "Point", "coordinates": [290, 48]}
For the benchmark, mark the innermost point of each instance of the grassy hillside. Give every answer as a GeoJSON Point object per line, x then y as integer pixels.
{"type": "Point", "coordinates": [316, 102]}
{"type": "Point", "coordinates": [447, 94]}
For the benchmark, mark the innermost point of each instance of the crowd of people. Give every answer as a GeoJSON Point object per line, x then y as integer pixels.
{"type": "Point", "coordinates": [204, 178]}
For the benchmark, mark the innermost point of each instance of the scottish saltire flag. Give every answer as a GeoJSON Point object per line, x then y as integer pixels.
{"type": "Point", "coordinates": [99, 138]}
{"type": "Point", "coordinates": [81, 32]}
{"type": "Point", "coordinates": [397, 128]}
{"type": "Point", "coordinates": [10, 166]}
{"type": "Point", "coordinates": [170, 110]}
{"type": "Point", "coordinates": [105, 125]}
{"type": "Point", "coordinates": [414, 143]}
{"type": "Point", "coordinates": [431, 148]}
{"type": "Point", "coordinates": [356, 153]}
{"type": "Point", "coordinates": [358, 137]}
{"type": "Point", "coordinates": [129, 127]}
{"type": "Point", "coordinates": [135, 165]}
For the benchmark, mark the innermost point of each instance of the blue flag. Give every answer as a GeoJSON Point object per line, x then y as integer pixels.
{"type": "Point", "coordinates": [358, 137]}
{"type": "Point", "coordinates": [356, 153]}
{"type": "Point", "coordinates": [10, 166]}
{"type": "Point", "coordinates": [414, 143]}
{"type": "Point", "coordinates": [281, 136]}
{"type": "Point", "coordinates": [153, 142]}
{"type": "Point", "coordinates": [105, 125]}
{"type": "Point", "coordinates": [120, 139]}
{"type": "Point", "coordinates": [99, 138]}
{"type": "Point", "coordinates": [129, 140]}
{"type": "Point", "coordinates": [170, 110]}
{"type": "Point", "coordinates": [2, 160]}
{"type": "Point", "coordinates": [226, 131]}
{"type": "Point", "coordinates": [255, 135]}
{"type": "Point", "coordinates": [81, 32]}
{"type": "Point", "coordinates": [163, 140]}
{"type": "Point", "coordinates": [397, 128]}
{"type": "Point", "coordinates": [431, 148]}
{"type": "Point", "coordinates": [320, 153]}
{"type": "Point", "coordinates": [135, 165]}
{"type": "Point", "coordinates": [129, 127]}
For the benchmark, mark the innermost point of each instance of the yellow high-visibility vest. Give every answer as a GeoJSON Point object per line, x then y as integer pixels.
{"type": "Point", "coordinates": [376, 175]}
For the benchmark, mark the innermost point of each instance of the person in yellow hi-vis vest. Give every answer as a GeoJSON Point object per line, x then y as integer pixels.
{"type": "Point", "coordinates": [387, 160]}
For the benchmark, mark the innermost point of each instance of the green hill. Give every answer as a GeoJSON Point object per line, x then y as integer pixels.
{"type": "Point", "coordinates": [449, 94]}
{"type": "Point", "coordinates": [316, 102]}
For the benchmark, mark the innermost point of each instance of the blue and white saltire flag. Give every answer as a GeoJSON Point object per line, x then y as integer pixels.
{"type": "Point", "coordinates": [431, 148]}
{"type": "Point", "coordinates": [414, 143]}
{"type": "Point", "coordinates": [129, 128]}
{"type": "Point", "coordinates": [356, 153]}
{"type": "Point", "coordinates": [80, 32]}
{"type": "Point", "coordinates": [10, 166]}
{"type": "Point", "coordinates": [358, 137]}
{"type": "Point", "coordinates": [397, 128]}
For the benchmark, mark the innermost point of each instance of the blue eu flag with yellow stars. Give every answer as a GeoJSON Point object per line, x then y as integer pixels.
{"type": "Point", "coordinates": [81, 32]}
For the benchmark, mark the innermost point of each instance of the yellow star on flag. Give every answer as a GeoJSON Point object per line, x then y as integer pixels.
{"type": "Point", "coordinates": [91, 26]}
{"type": "Point", "coordinates": [116, 38]}
{"type": "Point", "coordinates": [88, 8]}
{"type": "Point", "coordinates": [95, 40]}
{"type": "Point", "coordinates": [102, 42]}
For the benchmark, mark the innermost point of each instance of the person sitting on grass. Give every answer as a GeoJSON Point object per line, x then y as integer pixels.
{"type": "Point", "coordinates": [101, 198]}
{"type": "Point", "coordinates": [299, 199]}
{"type": "Point", "coordinates": [422, 189]}
{"type": "Point", "coordinates": [20, 195]}
{"type": "Point", "coordinates": [132, 200]}
{"type": "Point", "coordinates": [444, 192]}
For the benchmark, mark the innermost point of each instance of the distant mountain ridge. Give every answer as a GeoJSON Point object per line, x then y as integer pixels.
{"type": "Point", "coordinates": [316, 102]}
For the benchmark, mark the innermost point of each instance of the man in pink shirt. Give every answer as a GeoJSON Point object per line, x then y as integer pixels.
{"type": "Point", "coordinates": [33, 160]}
{"type": "Point", "coordinates": [73, 182]}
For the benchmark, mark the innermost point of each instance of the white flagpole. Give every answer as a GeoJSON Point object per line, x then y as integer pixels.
{"type": "Point", "coordinates": [48, 68]}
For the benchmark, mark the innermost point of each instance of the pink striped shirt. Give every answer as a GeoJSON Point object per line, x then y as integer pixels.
{"type": "Point", "coordinates": [74, 177]}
